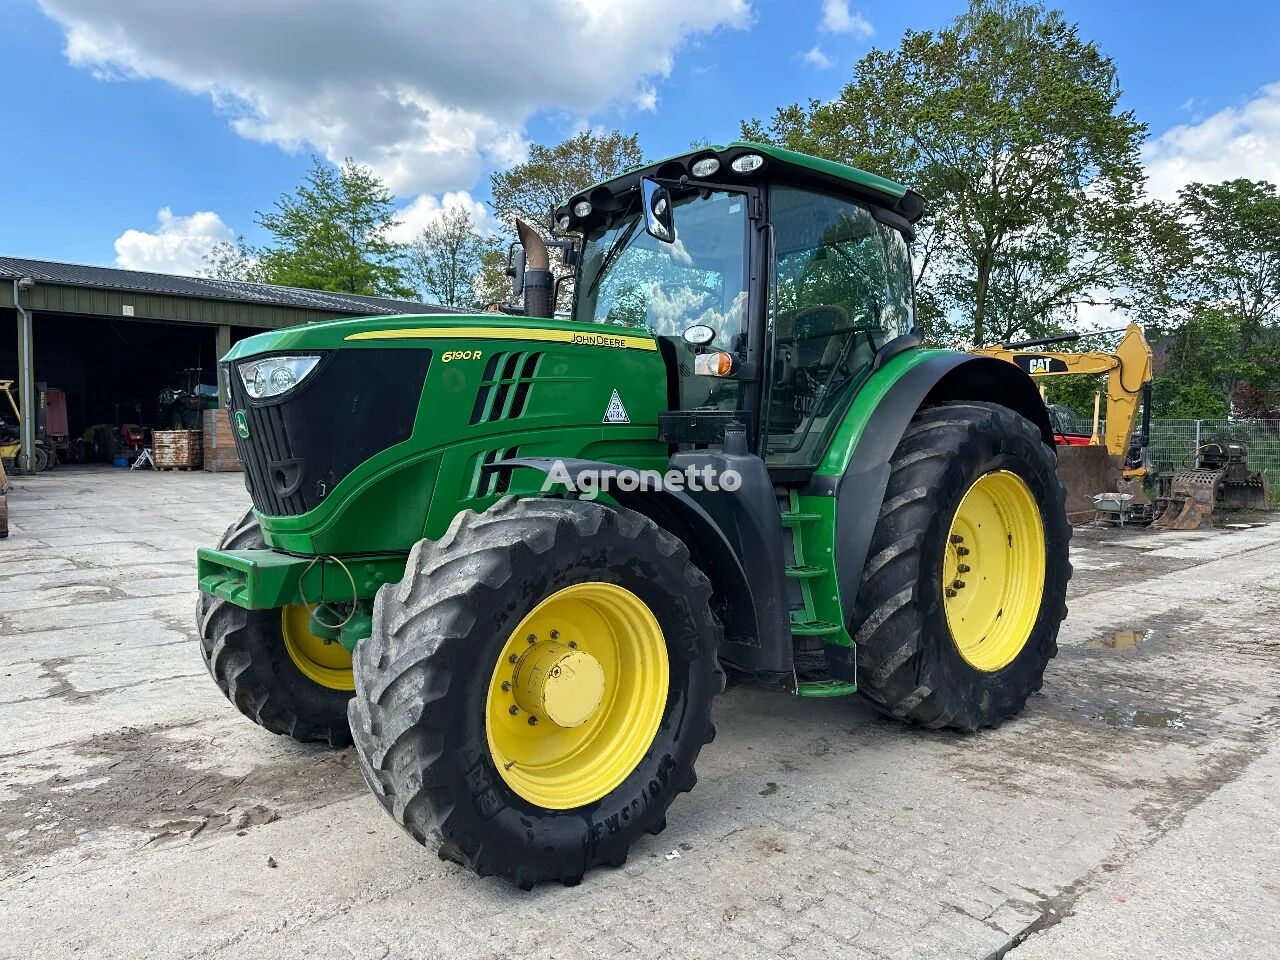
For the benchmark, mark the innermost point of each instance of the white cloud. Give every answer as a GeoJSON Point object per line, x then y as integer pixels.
{"type": "Point", "coordinates": [816, 58]}
{"type": "Point", "coordinates": [838, 18]}
{"type": "Point", "coordinates": [646, 98]}
{"type": "Point", "coordinates": [429, 94]}
{"type": "Point", "coordinates": [426, 208]}
{"type": "Point", "coordinates": [1235, 142]}
{"type": "Point", "coordinates": [177, 246]}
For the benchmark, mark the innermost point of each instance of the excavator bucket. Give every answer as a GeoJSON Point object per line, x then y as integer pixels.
{"type": "Point", "coordinates": [1243, 493]}
{"type": "Point", "coordinates": [1183, 514]}
{"type": "Point", "coordinates": [1086, 472]}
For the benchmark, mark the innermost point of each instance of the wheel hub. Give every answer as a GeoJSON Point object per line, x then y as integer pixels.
{"type": "Point", "coordinates": [576, 695]}
{"type": "Point", "coordinates": [557, 682]}
{"type": "Point", "coordinates": [993, 570]}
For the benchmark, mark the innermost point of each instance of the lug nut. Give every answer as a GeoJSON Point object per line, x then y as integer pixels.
{"type": "Point", "coordinates": [950, 592]}
{"type": "Point", "coordinates": [956, 538]}
{"type": "Point", "coordinates": [506, 686]}
{"type": "Point", "coordinates": [531, 638]}
{"type": "Point", "coordinates": [962, 551]}
{"type": "Point", "coordinates": [513, 710]}
{"type": "Point", "coordinates": [555, 634]}
{"type": "Point", "coordinates": [957, 584]}
{"type": "Point", "coordinates": [533, 721]}
{"type": "Point", "coordinates": [963, 568]}
{"type": "Point", "coordinates": [513, 659]}
{"type": "Point", "coordinates": [573, 644]}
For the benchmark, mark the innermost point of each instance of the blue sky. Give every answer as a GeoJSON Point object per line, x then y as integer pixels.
{"type": "Point", "coordinates": [140, 131]}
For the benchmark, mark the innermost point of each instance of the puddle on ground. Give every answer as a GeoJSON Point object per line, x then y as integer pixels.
{"type": "Point", "coordinates": [1121, 640]}
{"type": "Point", "coordinates": [1129, 718]}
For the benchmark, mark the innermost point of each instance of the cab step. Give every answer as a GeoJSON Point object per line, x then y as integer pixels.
{"type": "Point", "coordinates": [813, 628]}
{"type": "Point", "coordinates": [804, 571]}
{"type": "Point", "coordinates": [825, 688]}
{"type": "Point", "coordinates": [795, 519]}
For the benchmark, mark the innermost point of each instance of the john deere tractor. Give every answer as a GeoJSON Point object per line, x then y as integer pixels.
{"type": "Point", "coordinates": [511, 555]}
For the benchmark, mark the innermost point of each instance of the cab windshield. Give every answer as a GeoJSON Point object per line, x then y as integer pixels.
{"type": "Point", "coordinates": [631, 278]}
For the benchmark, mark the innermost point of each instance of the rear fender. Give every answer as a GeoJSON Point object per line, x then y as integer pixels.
{"type": "Point", "coordinates": [859, 489]}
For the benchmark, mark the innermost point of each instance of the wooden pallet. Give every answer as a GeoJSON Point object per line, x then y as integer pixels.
{"type": "Point", "coordinates": [220, 443]}
{"type": "Point", "coordinates": [177, 449]}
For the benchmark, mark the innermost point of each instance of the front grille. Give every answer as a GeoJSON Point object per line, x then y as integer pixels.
{"type": "Point", "coordinates": [504, 389]}
{"type": "Point", "coordinates": [355, 404]}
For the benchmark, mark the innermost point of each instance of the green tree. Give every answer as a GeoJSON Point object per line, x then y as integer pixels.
{"type": "Point", "coordinates": [1209, 281]}
{"type": "Point", "coordinates": [551, 175]}
{"type": "Point", "coordinates": [231, 261]}
{"type": "Point", "coordinates": [331, 233]}
{"type": "Point", "coordinates": [492, 285]}
{"type": "Point", "coordinates": [445, 258]}
{"type": "Point", "coordinates": [1009, 124]}
{"type": "Point", "coordinates": [532, 190]}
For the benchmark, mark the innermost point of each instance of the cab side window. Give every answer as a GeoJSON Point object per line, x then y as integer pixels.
{"type": "Point", "coordinates": [842, 289]}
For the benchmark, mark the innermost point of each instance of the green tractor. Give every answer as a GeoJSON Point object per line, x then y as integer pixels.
{"type": "Point", "coordinates": [511, 555]}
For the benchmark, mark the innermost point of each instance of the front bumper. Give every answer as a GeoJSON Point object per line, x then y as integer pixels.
{"type": "Point", "coordinates": [268, 579]}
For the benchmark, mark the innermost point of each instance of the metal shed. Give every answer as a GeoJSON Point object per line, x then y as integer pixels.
{"type": "Point", "coordinates": [95, 327]}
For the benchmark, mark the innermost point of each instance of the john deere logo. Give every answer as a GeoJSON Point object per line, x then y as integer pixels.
{"type": "Point", "coordinates": [242, 425]}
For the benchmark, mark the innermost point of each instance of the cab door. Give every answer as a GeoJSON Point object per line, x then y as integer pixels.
{"type": "Point", "coordinates": [841, 290]}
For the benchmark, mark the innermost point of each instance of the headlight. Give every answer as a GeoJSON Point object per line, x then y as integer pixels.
{"type": "Point", "coordinates": [748, 163]}
{"type": "Point", "coordinates": [272, 376]}
{"type": "Point", "coordinates": [706, 167]}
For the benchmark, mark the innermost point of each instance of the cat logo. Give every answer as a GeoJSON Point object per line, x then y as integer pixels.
{"type": "Point", "coordinates": [1038, 364]}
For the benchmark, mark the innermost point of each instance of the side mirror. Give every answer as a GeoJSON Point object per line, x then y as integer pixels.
{"type": "Point", "coordinates": [659, 215]}
{"type": "Point", "coordinates": [515, 270]}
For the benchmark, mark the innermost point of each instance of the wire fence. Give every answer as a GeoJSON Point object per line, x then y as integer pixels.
{"type": "Point", "coordinates": [1175, 442]}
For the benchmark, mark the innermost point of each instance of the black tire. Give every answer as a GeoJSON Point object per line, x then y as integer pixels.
{"type": "Point", "coordinates": [245, 653]}
{"type": "Point", "coordinates": [418, 716]}
{"type": "Point", "coordinates": [908, 665]}
{"type": "Point", "coordinates": [41, 459]}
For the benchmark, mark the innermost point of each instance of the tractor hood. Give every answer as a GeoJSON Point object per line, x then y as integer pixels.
{"type": "Point", "coordinates": [336, 421]}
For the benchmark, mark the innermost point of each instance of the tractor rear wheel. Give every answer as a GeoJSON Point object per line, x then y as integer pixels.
{"type": "Point", "coordinates": [965, 585]}
{"type": "Point", "coordinates": [537, 687]}
{"type": "Point", "coordinates": [270, 665]}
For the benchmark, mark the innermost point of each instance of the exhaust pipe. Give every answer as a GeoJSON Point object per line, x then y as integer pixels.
{"type": "Point", "coordinates": [539, 282]}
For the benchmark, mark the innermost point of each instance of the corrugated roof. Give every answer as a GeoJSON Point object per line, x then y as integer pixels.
{"type": "Point", "coordinates": [110, 278]}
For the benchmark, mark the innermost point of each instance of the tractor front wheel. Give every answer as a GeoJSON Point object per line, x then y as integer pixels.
{"type": "Point", "coordinates": [537, 687]}
{"type": "Point", "coordinates": [965, 585]}
{"type": "Point", "coordinates": [270, 665]}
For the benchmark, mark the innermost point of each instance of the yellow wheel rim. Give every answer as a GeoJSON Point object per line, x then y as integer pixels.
{"type": "Point", "coordinates": [993, 570]}
{"type": "Point", "coordinates": [327, 663]}
{"type": "Point", "coordinates": [577, 694]}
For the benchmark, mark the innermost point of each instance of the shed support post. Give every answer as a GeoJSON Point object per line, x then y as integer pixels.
{"type": "Point", "coordinates": [26, 384]}
{"type": "Point", "coordinates": [224, 347]}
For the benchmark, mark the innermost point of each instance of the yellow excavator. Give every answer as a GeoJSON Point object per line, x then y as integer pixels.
{"type": "Point", "coordinates": [1094, 464]}
{"type": "Point", "coordinates": [1105, 460]}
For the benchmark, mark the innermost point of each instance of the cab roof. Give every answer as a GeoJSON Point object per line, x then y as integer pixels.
{"type": "Point", "coordinates": [780, 164]}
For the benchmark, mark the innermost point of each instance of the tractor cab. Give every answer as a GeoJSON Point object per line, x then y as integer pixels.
{"type": "Point", "coordinates": [772, 279]}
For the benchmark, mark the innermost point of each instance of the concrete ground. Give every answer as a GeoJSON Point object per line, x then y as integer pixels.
{"type": "Point", "coordinates": [1131, 812]}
